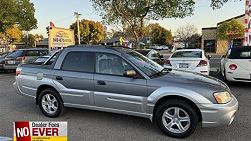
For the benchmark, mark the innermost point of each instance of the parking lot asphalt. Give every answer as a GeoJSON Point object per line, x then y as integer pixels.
{"type": "Point", "coordinates": [87, 125]}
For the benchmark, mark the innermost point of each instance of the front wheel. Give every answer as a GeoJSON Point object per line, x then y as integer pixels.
{"type": "Point", "coordinates": [176, 118]}
{"type": "Point", "coordinates": [50, 103]}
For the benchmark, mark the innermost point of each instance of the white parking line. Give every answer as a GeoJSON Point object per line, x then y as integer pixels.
{"type": "Point", "coordinates": [5, 139]}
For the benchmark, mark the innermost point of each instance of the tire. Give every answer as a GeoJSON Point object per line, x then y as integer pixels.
{"type": "Point", "coordinates": [54, 106]}
{"type": "Point", "coordinates": [170, 123]}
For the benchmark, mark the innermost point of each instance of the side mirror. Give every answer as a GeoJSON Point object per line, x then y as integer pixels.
{"type": "Point", "coordinates": [130, 73]}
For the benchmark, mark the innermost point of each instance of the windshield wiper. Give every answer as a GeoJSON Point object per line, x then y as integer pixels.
{"type": "Point", "coordinates": [160, 72]}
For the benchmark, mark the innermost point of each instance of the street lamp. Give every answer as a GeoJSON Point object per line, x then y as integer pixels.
{"type": "Point", "coordinates": [77, 16]}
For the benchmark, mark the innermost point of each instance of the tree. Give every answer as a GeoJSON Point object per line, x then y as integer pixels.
{"type": "Point", "coordinates": [13, 34]}
{"type": "Point", "coordinates": [91, 32]}
{"type": "Point", "coordinates": [184, 34]}
{"type": "Point", "coordinates": [216, 4]}
{"type": "Point", "coordinates": [194, 41]}
{"type": "Point", "coordinates": [29, 40]}
{"type": "Point", "coordinates": [133, 13]}
{"type": "Point", "coordinates": [158, 34]}
{"type": "Point", "coordinates": [230, 30]}
{"type": "Point", "coordinates": [17, 11]}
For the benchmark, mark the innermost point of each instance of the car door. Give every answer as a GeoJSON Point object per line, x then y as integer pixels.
{"type": "Point", "coordinates": [75, 78]}
{"type": "Point", "coordinates": [112, 89]}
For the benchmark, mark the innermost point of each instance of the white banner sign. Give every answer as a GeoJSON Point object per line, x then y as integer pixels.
{"type": "Point", "coordinates": [60, 38]}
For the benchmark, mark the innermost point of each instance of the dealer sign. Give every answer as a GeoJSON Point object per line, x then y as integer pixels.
{"type": "Point", "coordinates": [60, 38]}
{"type": "Point", "coordinates": [40, 131]}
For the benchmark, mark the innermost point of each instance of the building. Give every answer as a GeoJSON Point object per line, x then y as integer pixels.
{"type": "Point", "coordinates": [210, 43]}
{"type": "Point", "coordinates": [3, 46]}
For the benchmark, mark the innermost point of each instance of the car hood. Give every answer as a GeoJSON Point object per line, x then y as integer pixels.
{"type": "Point", "coordinates": [194, 78]}
{"type": "Point", "coordinates": [202, 84]}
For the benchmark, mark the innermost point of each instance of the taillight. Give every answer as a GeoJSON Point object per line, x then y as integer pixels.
{"type": "Point", "coordinates": [232, 67]}
{"type": "Point", "coordinates": [167, 63]}
{"type": "Point", "coordinates": [202, 63]}
{"type": "Point", "coordinates": [18, 71]}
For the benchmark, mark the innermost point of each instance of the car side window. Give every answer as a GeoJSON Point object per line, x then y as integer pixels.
{"type": "Point", "coordinates": [111, 64]}
{"type": "Point", "coordinates": [79, 62]}
{"type": "Point", "coordinates": [32, 53]}
{"type": "Point", "coordinates": [43, 52]}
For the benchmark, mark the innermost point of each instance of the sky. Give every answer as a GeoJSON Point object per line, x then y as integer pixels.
{"type": "Point", "coordinates": [61, 13]}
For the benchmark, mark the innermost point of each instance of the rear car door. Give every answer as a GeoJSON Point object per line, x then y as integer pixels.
{"type": "Point", "coordinates": [115, 91]}
{"type": "Point", "coordinates": [75, 78]}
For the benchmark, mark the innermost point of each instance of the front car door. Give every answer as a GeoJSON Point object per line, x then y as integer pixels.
{"type": "Point", "coordinates": [75, 78]}
{"type": "Point", "coordinates": [115, 91]}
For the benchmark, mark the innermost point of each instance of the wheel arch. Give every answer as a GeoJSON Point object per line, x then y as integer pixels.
{"type": "Point", "coordinates": [168, 97]}
{"type": "Point", "coordinates": [43, 87]}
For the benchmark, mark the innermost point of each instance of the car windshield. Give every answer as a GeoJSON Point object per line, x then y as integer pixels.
{"type": "Point", "coordinates": [41, 59]}
{"type": "Point", "coordinates": [187, 54]}
{"type": "Point", "coordinates": [15, 54]}
{"type": "Point", "coordinates": [240, 53]}
{"type": "Point", "coordinates": [4, 54]}
{"type": "Point", "coordinates": [143, 52]}
{"type": "Point", "coordinates": [146, 65]}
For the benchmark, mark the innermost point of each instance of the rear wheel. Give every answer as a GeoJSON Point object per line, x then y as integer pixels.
{"type": "Point", "coordinates": [50, 103]}
{"type": "Point", "coordinates": [176, 118]}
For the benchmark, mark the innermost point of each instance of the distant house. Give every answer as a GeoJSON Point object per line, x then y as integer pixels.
{"type": "Point", "coordinates": [209, 40]}
{"type": "Point", "coordinates": [3, 46]}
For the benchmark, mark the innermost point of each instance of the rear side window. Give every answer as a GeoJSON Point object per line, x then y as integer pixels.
{"type": "Point", "coordinates": [240, 53]}
{"type": "Point", "coordinates": [79, 62]}
{"type": "Point", "coordinates": [16, 54]}
{"type": "Point", "coordinates": [187, 54]}
{"type": "Point", "coordinates": [32, 53]}
{"type": "Point", "coordinates": [43, 52]}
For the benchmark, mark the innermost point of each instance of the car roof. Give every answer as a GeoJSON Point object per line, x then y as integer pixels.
{"type": "Point", "coordinates": [188, 50]}
{"type": "Point", "coordinates": [33, 49]}
{"type": "Point", "coordinates": [99, 48]}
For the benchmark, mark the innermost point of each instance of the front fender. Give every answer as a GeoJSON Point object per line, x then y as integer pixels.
{"type": "Point", "coordinates": [175, 91]}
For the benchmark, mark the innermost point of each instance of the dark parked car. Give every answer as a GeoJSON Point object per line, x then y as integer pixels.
{"type": "Point", "coordinates": [153, 55]}
{"type": "Point", "coordinates": [2, 59]}
{"type": "Point", "coordinates": [23, 56]}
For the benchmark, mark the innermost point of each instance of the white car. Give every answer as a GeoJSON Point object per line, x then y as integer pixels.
{"type": "Point", "coordinates": [164, 47]}
{"type": "Point", "coordinates": [236, 65]}
{"type": "Point", "coordinates": [193, 60]}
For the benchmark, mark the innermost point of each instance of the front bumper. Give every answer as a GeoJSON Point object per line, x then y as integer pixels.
{"type": "Point", "coordinates": [10, 67]}
{"type": "Point", "coordinates": [218, 114]}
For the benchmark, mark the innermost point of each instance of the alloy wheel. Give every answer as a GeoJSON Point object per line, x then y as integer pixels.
{"type": "Point", "coordinates": [176, 120]}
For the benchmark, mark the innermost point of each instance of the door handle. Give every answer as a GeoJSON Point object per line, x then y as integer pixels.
{"type": "Point", "coordinates": [59, 77]}
{"type": "Point", "coordinates": [100, 82]}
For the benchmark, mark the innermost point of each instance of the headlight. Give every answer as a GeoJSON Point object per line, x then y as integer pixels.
{"type": "Point", "coordinates": [222, 97]}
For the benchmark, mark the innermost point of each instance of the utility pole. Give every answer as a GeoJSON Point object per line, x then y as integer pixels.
{"type": "Point", "coordinates": [77, 16]}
